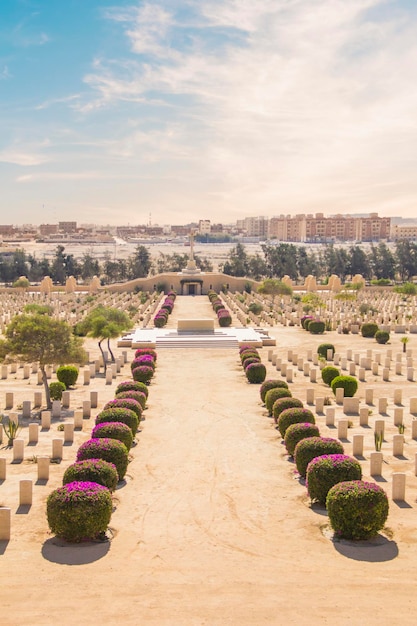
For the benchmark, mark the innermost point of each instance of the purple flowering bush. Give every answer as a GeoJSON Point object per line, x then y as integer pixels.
{"type": "Point", "coordinates": [357, 509]}
{"type": "Point", "coordinates": [275, 394]}
{"type": "Point", "coordinates": [92, 470]}
{"type": "Point", "coordinates": [307, 449]}
{"type": "Point", "coordinates": [292, 416]}
{"type": "Point", "coordinates": [119, 415]}
{"type": "Point", "coordinates": [297, 432]}
{"type": "Point", "coordinates": [125, 403]}
{"type": "Point", "coordinates": [145, 359]}
{"type": "Point", "coordinates": [327, 470]}
{"type": "Point", "coordinates": [249, 354]}
{"type": "Point", "coordinates": [108, 449]}
{"type": "Point", "coordinates": [282, 404]}
{"type": "Point", "coordinates": [255, 373]}
{"type": "Point", "coordinates": [79, 511]}
{"type": "Point", "coordinates": [143, 373]}
{"type": "Point", "coordinates": [114, 430]}
{"type": "Point", "coordinates": [142, 351]}
{"type": "Point", "coordinates": [267, 385]}
{"type": "Point", "coordinates": [132, 385]}
{"type": "Point", "coordinates": [251, 359]}
{"type": "Point", "coordinates": [135, 395]}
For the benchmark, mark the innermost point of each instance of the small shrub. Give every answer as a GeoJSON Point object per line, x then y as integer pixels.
{"type": "Point", "coordinates": [282, 404]}
{"type": "Point", "coordinates": [357, 509]}
{"type": "Point", "coordinates": [108, 449]}
{"type": "Point", "coordinates": [349, 384]}
{"type": "Point", "coordinates": [134, 395]}
{"type": "Point", "coordinates": [304, 320]}
{"type": "Point", "coordinates": [248, 354]}
{"type": "Point", "coordinates": [274, 394]}
{"type": "Point", "coordinates": [307, 449]}
{"type": "Point", "coordinates": [119, 415]}
{"type": "Point", "coordinates": [327, 470]}
{"type": "Point", "coordinates": [145, 359]}
{"type": "Point", "coordinates": [293, 416]}
{"type": "Point", "coordinates": [267, 385]}
{"type": "Point", "coordinates": [251, 359]}
{"type": "Point", "coordinates": [297, 432]}
{"type": "Point", "coordinates": [255, 373]}
{"type": "Point", "coordinates": [125, 403]}
{"type": "Point", "coordinates": [92, 470]}
{"type": "Point", "coordinates": [115, 430]}
{"type": "Point", "coordinates": [382, 336]}
{"type": "Point", "coordinates": [316, 327]}
{"type": "Point", "coordinates": [132, 385]}
{"type": "Point", "coordinates": [79, 511]}
{"type": "Point", "coordinates": [328, 373]}
{"type": "Point", "coordinates": [142, 351]}
{"type": "Point", "coordinates": [369, 329]}
{"type": "Point", "coordinates": [256, 308]}
{"type": "Point", "coordinates": [67, 374]}
{"type": "Point", "coordinates": [143, 373]}
{"type": "Point", "coordinates": [56, 390]}
{"type": "Point", "coordinates": [323, 347]}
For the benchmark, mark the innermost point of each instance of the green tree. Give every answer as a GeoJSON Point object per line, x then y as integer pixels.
{"type": "Point", "coordinates": [89, 266]}
{"type": "Point", "coordinates": [139, 263]}
{"type": "Point", "coordinates": [238, 262]}
{"type": "Point", "coordinates": [36, 337]}
{"type": "Point", "coordinates": [281, 260]}
{"type": "Point", "coordinates": [406, 257]}
{"type": "Point", "coordinates": [105, 324]}
{"type": "Point", "coordinates": [274, 287]}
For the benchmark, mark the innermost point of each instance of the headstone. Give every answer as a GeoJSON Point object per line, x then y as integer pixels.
{"type": "Point", "coordinates": [86, 373]}
{"type": "Point", "coordinates": [376, 464]}
{"type": "Point", "coordinates": [398, 445]}
{"type": "Point", "coordinates": [364, 416]}
{"type": "Point", "coordinates": [313, 375]}
{"type": "Point", "coordinates": [398, 486]}
{"type": "Point", "coordinates": [43, 467]}
{"type": "Point", "coordinates": [351, 406]}
{"type": "Point", "coordinates": [413, 406]}
{"type": "Point", "coordinates": [361, 374]}
{"type": "Point", "coordinates": [5, 523]}
{"type": "Point", "coordinates": [26, 372]}
{"type": "Point", "coordinates": [109, 376]}
{"type": "Point", "coordinates": [289, 375]}
{"type": "Point", "coordinates": [319, 405]}
{"type": "Point", "coordinates": [46, 420]}
{"type": "Point", "coordinates": [86, 408]}
{"type": "Point", "coordinates": [26, 408]}
{"type": "Point", "coordinates": [69, 432]}
{"type": "Point", "coordinates": [4, 372]}
{"type": "Point", "coordinates": [340, 394]}
{"type": "Point", "coordinates": [352, 369]}
{"type": "Point", "coordinates": [25, 492]}
{"type": "Point", "coordinates": [357, 445]}
{"type": "Point", "coordinates": [342, 428]}
{"type": "Point", "coordinates": [375, 368]}
{"type": "Point", "coordinates": [2, 468]}
{"type": "Point", "coordinates": [65, 399]}
{"type": "Point", "coordinates": [94, 399]}
{"type": "Point", "coordinates": [330, 412]}
{"type": "Point", "coordinates": [33, 432]}
{"type": "Point", "coordinates": [369, 396]}
{"type": "Point", "coordinates": [78, 420]}
{"type": "Point", "coordinates": [398, 369]}
{"type": "Point", "coordinates": [56, 408]}
{"type": "Point", "coordinates": [410, 374]}
{"type": "Point", "coordinates": [37, 399]}
{"type": "Point", "coordinates": [398, 416]}
{"type": "Point", "coordinates": [385, 374]}
{"type": "Point", "coordinates": [57, 446]}
{"type": "Point", "coordinates": [18, 450]}
{"type": "Point", "coordinates": [9, 400]}
{"type": "Point", "coordinates": [382, 406]}
{"type": "Point", "coordinates": [310, 396]}
{"type": "Point", "coordinates": [380, 427]}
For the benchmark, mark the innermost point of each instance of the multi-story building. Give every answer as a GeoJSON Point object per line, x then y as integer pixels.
{"type": "Point", "coordinates": [67, 227]}
{"type": "Point", "coordinates": [404, 232]}
{"type": "Point", "coordinates": [255, 226]}
{"type": "Point", "coordinates": [204, 227]}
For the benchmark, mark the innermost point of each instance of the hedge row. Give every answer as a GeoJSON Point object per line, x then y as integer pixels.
{"type": "Point", "coordinates": [223, 315]}
{"type": "Point", "coordinates": [165, 310]}
{"type": "Point", "coordinates": [255, 370]}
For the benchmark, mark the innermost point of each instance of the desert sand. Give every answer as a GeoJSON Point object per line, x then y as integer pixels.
{"type": "Point", "coordinates": [212, 526]}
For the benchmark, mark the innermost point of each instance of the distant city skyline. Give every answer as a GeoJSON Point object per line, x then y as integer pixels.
{"type": "Point", "coordinates": [117, 110]}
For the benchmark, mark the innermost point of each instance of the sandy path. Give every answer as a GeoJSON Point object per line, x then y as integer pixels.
{"type": "Point", "coordinates": [211, 527]}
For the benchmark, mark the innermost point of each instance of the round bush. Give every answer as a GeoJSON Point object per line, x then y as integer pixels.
{"type": "Point", "coordinates": [369, 329]}
{"type": "Point", "coordinates": [132, 385]}
{"type": "Point", "coordinates": [125, 403]}
{"type": "Point", "coordinates": [327, 470]}
{"type": "Point", "coordinates": [134, 395]}
{"type": "Point", "coordinates": [56, 389]}
{"type": "Point", "coordinates": [282, 404]}
{"type": "Point", "coordinates": [328, 373]}
{"type": "Point", "coordinates": [293, 416]}
{"type": "Point", "coordinates": [323, 347]}
{"type": "Point", "coordinates": [267, 385]}
{"type": "Point", "coordinates": [304, 320]}
{"type": "Point", "coordinates": [316, 327]}
{"type": "Point", "coordinates": [142, 351]}
{"type": "Point", "coordinates": [255, 373]}
{"type": "Point", "coordinates": [67, 374]}
{"type": "Point", "coordinates": [114, 430]}
{"type": "Point", "coordinates": [143, 373]}
{"type": "Point", "coordinates": [297, 432]}
{"type": "Point", "coordinates": [307, 449]}
{"type": "Point", "coordinates": [126, 416]}
{"type": "Point", "coordinates": [252, 359]}
{"type": "Point", "coordinates": [246, 346]}
{"type": "Point", "coordinates": [79, 511]}
{"type": "Point", "coordinates": [357, 509]}
{"type": "Point", "coordinates": [275, 394]}
{"type": "Point", "coordinates": [382, 336]}
{"type": "Point", "coordinates": [146, 359]}
{"type": "Point", "coordinates": [108, 449]}
{"type": "Point", "coordinates": [249, 354]}
{"type": "Point", "coordinates": [224, 318]}
{"type": "Point", "coordinates": [349, 384]}
{"type": "Point", "coordinates": [92, 470]}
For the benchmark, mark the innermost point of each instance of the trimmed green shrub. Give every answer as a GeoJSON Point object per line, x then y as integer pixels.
{"type": "Point", "coordinates": [271, 384]}
{"type": "Point", "coordinates": [67, 374]}
{"type": "Point", "coordinates": [142, 351]}
{"type": "Point", "coordinates": [282, 404]}
{"type": "Point", "coordinates": [316, 327]}
{"type": "Point", "coordinates": [274, 394]}
{"type": "Point", "coordinates": [323, 347]}
{"type": "Point", "coordinates": [79, 511]}
{"type": "Point", "coordinates": [369, 329]}
{"type": "Point", "coordinates": [327, 470]}
{"type": "Point", "coordinates": [328, 373]}
{"type": "Point", "coordinates": [108, 449]}
{"type": "Point", "coordinates": [145, 359]}
{"type": "Point", "coordinates": [382, 336]}
{"type": "Point", "coordinates": [119, 415]}
{"type": "Point", "coordinates": [357, 509]}
{"type": "Point", "coordinates": [307, 449]}
{"type": "Point", "coordinates": [248, 354]}
{"type": "Point", "coordinates": [114, 430]}
{"type": "Point", "coordinates": [134, 395]}
{"type": "Point", "coordinates": [143, 373]}
{"type": "Point", "coordinates": [255, 373]}
{"type": "Point", "coordinates": [125, 403]}
{"type": "Point", "coordinates": [293, 416]}
{"type": "Point", "coordinates": [349, 384]}
{"type": "Point", "coordinates": [56, 390]}
{"type": "Point", "coordinates": [305, 320]}
{"type": "Point", "coordinates": [132, 385]}
{"type": "Point", "coordinates": [92, 470]}
{"type": "Point", "coordinates": [297, 432]}
{"type": "Point", "coordinates": [251, 359]}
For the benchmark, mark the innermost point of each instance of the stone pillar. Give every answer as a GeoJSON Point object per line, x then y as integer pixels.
{"type": "Point", "coordinates": [3, 468]}
{"type": "Point", "coordinates": [69, 432]}
{"type": "Point", "coordinates": [46, 420]}
{"type": "Point", "coordinates": [376, 464]}
{"type": "Point", "coordinates": [342, 428]}
{"type": "Point", "coordinates": [26, 408]}
{"type": "Point", "coordinates": [357, 447]}
{"type": "Point", "coordinates": [369, 396]}
{"type": "Point", "coordinates": [310, 396]}
{"type": "Point", "coordinates": [364, 416]}
{"type": "Point", "coordinates": [18, 450]}
{"type": "Point", "coordinates": [382, 406]}
{"type": "Point", "coordinates": [25, 492]}
{"type": "Point", "coordinates": [9, 400]}
{"type": "Point", "coordinates": [37, 399]}
{"type": "Point", "coordinates": [398, 396]}
{"type": "Point", "coordinates": [5, 523]}
{"type": "Point", "coordinates": [86, 408]}
{"type": "Point", "coordinates": [43, 467]}
{"type": "Point", "coordinates": [65, 399]}
{"type": "Point", "coordinates": [398, 445]}
{"type": "Point", "coordinates": [57, 446]}
{"type": "Point", "coordinates": [33, 432]}
{"type": "Point", "coordinates": [398, 486]}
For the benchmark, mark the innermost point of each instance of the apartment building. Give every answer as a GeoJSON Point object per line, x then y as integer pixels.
{"type": "Point", "coordinates": [318, 228]}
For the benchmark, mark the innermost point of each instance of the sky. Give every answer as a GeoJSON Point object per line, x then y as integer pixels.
{"type": "Point", "coordinates": [171, 111]}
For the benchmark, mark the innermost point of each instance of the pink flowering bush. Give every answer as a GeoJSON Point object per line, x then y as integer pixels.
{"type": "Point", "coordinates": [108, 449]}
{"type": "Point", "coordinates": [119, 415]}
{"type": "Point", "coordinates": [125, 403]}
{"type": "Point", "coordinates": [292, 416]}
{"type": "Point", "coordinates": [143, 373]}
{"type": "Point", "coordinates": [307, 449]}
{"type": "Point", "coordinates": [132, 385]}
{"type": "Point", "coordinates": [114, 430]}
{"type": "Point", "coordinates": [134, 395]}
{"type": "Point", "coordinates": [325, 471]}
{"type": "Point", "coordinates": [92, 470]}
{"type": "Point", "coordinates": [297, 432]}
{"type": "Point", "coordinates": [255, 373]}
{"type": "Point", "coordinates": [79, 511]}
{"type": "Point", "coordinates": [275, 394]}
{"type": "Point", "coordinates": [142, 351]}
{"type": "Point", "coordinates": [269, 384]}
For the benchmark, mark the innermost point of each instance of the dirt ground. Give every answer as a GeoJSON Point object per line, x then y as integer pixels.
{"type": "Point", "coordinates": [212, 526]}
